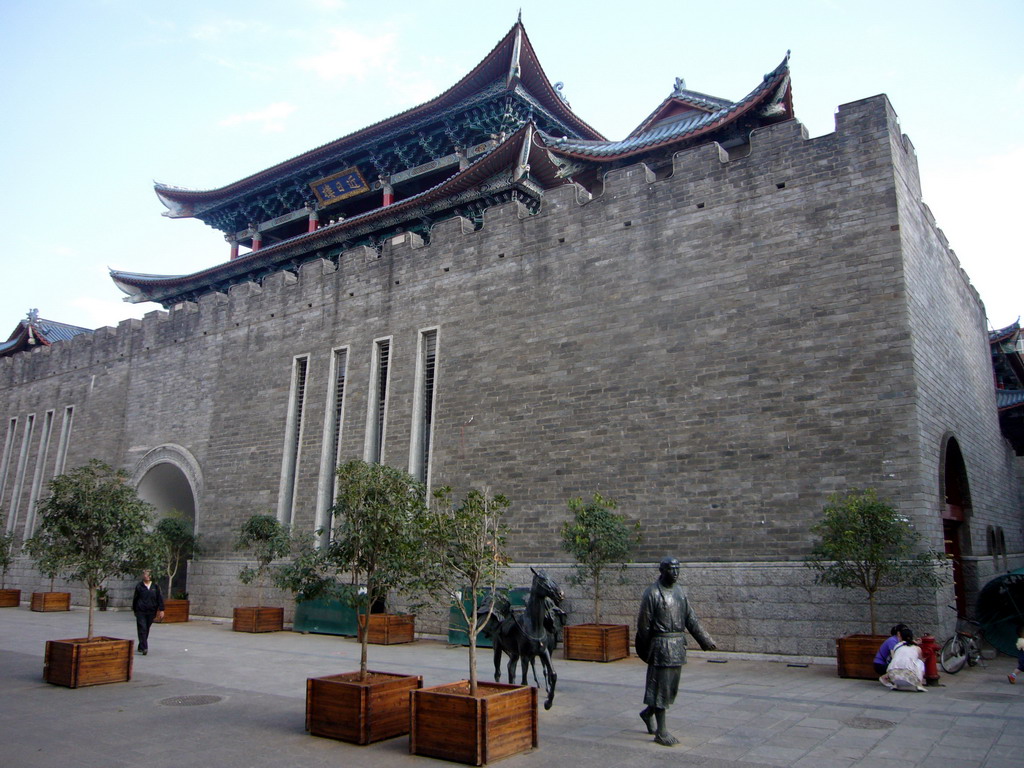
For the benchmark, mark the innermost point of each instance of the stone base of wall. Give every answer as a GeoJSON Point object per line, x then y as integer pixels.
{"type": "Point", "coordinates": [770, 608]}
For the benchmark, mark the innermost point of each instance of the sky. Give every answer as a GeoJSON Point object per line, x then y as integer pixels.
{"type": "Point", "coordinates": [100, 98]}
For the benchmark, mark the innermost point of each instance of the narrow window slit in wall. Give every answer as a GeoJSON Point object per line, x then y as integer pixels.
{"type": "Point", "coordinates": [5, 461]}
{"type": "Point", "coordinates": [19, 475]}
{"type": "Point", "coordinates": [331, 452]}
{"type": "Point", "coordinates": [293, 441]}
{"type": "Point", "coordinates": [63, 440]}
{"type": "Point", "coordinates": [423, 406]}
{"type": "Point", "coordinates": [37, 477]}
{"type": "Point", "coordinates": [377, 416]}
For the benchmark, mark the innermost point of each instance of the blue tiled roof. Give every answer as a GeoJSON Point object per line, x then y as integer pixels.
{"type": "Point", "coordinates": [1008, 398]}
{"type": "Point", "coordinates": [670, 131]}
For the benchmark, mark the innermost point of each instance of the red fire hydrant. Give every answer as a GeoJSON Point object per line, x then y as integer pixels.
{"type": "Point", "coordinates": [929, 653]}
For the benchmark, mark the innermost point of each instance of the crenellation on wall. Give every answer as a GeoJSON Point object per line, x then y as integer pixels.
{"type": "Point", "coordinates": [450, 231]}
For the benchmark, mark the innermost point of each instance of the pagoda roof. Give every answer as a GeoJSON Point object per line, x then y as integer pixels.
{"type": "Point", "coordinates": [519, 152]}
{"type": "Point", "coordinates": [1003, 333]}
{"type": "Point", "coordinates": [35, 331]}
{"type": "Point", "coordinates": [772, 98]}
{"type": "Point", "coordinates": [512, 59]}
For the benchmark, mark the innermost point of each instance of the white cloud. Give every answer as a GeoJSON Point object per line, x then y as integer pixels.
{"type": "Point", "coordinates": [975, 201]}
{"type": "Point", "coordinates": [272, 117]}
{"type": "Point", "coordinates": [225, 29]}
{"type": "Point", "coordinates": [351, 54]}
{"type": "Point", "coordinates": [96, 313]}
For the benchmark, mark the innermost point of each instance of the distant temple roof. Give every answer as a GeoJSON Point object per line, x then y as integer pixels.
{"type": "Point", "coordinates": [35, 331]}
{"type": "Point", "coordinates": [503, 132]}
{"type": "Point", "coordinates": [1007, 347]}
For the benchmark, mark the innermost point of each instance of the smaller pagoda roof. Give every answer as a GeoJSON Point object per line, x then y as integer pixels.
{"type": "Point", "coordinates": [35, 331]}
{"type": "Point", "coordinates": [519, 152]}
{"type": "Point", "coordinates": [1004, 333]}
{"type": "Point", "coordinates": [771, 98]}
{"type": "Point", "coordinates": [513, 59]}
{"type": "Point", "coordinates": [681, 101]}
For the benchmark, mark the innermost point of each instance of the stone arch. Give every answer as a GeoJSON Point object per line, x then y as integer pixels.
{"type": "Point", "coordinates": [169, 478]}
{"type": "Point", "coordinates": [956, 516]}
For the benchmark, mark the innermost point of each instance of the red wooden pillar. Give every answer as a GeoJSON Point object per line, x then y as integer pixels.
{"type": "Point", "coordinates": [389, 191]}
{"type": "Point", "coordinates": [314, 221]}
{"type": "Point", "coordinates": [257, 240]}
{"type": "Point", "coordinates": [234, 248]}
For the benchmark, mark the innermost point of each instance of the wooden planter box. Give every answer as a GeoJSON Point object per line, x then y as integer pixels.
{"type": "Point", "coordinates": [177, 611]}
{"type": "Point", "coordinates": [10, 598]}
{"type": "Point", "coordinates": [450, 724]}
{"type": "Point", "coordinates": [79, 662]}
{"type": "Point", "coordinates": [342, 707]}
{"type": "Point", "coordinates": [254, 619]}
{"type": "Point", "coordinates": [390, 628]}
{"type": "Point", "coordinates": [855, 655]}
{"type": "Point", "coordinates": [596, 642]}
{"type": "Point", "coordinates": [51, 601]}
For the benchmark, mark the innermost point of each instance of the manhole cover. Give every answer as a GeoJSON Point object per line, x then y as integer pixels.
{"type": "Point", "coordinates": [869, 723]}
{"type": "Point", "coordinates": [986, 697]}
{"type": "Point", "coordinates": [189, 701]}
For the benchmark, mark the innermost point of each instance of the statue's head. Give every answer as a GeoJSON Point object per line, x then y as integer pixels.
{"type": "Point", "coordinates": [669, 568]}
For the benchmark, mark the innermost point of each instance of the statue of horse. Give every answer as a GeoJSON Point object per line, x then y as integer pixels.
{"type": "Point", "coordinates": [528, 633]}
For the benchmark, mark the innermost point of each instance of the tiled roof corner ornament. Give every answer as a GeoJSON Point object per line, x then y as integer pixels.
{"type": "Point", "coordinates": [558, 90]}
{"type": "Point", "coordinates": [679, 87]}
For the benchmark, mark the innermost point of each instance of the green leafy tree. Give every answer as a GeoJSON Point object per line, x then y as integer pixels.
{"type": "Point", "coordinates": [6, 556]}
{"type": "Point", "coordinates": [93, 524]}
{"type": "Point", "coordinates": [599, 539]}
{"type": "Point", "coordinates": [173, 543]}
{"type": "Point", "coordinates": [464, 544]}
{"type": "Point", "coordinates": [865, 543]}
{"type": "Point", "coordinates": [378, 514]}
{"type": "Point", "coordinates": [267, 539]}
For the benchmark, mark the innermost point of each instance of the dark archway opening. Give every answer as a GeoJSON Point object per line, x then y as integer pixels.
{"type": "Point", "coordinates": [956, 514]}
{"type": "Point", "coordinates": [167, 488]}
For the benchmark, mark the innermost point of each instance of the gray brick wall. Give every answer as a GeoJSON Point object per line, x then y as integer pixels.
{"type": "Point", "coordinates": [718, 350]}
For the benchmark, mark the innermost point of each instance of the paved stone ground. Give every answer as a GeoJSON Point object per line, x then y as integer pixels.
{"type": "Point", "coordinates": [742, 713]}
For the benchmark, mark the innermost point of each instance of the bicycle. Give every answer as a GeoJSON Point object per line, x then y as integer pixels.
{"type": "Point", "coordinates": [964, 647]}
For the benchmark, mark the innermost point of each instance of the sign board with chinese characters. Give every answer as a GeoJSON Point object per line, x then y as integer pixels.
{"type": "Point", "coordinates": [333, 189]}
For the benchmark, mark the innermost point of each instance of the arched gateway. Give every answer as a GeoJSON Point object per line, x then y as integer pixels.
{"type": "Point", "coordinates": [169, 478]}
{"type": "Point", "coordinates": [956, 513]}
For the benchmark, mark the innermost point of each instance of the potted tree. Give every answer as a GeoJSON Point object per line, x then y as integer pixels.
{"type": "Point", "coordinates": [865, 543]}
{"type": "Point", "coordinates": [469, 721]}
{"type": "Point", "coordinates": [102, 598]}
{"type": "Point", "coordinates": [9, 598]}
{"type": "Point", "coordinates": [173, 544]}
{"type": "Point", "coordinates": [95, 524]}
{"type": "Point", "coordinates": [50, 565]}
{"type": "Point", "coordinates": [599, 539]}
{"type": "Point", "coordinates": [268, 539]}
{"type": "Point", "coordinates": [378, 513]}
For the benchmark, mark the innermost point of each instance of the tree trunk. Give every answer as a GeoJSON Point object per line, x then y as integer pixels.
{"type": "Point", "coordinates": [92, 601]}
{"type": "Point", "coordinates": [597, 598]}
{"type": "Point", "coordinates": [871, 611]}
{"type": "Point", "coordinates": [364, 639]}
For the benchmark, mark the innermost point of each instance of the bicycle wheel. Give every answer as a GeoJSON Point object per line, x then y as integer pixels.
{"type": "Point", "coordinates": [953, 655]}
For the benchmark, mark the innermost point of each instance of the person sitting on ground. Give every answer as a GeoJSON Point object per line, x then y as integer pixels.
{"type": "Point", "coordinates": [884, 655]}
{"type": "Point", "coordinates": [906, 670]}
{"type": "Point", "coordinates": [1012, 677]}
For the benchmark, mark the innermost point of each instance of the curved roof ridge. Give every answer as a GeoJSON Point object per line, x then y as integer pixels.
{"type": "Point", "coordinates": [775, 84]}
{"type": "Point", "coordinates": [500, 156]}
{"type": "Point", "coordinates": [531, 71]}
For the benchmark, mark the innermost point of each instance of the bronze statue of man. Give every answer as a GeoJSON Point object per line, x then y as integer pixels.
{"type": "Point", "coordinates": [660, 642]}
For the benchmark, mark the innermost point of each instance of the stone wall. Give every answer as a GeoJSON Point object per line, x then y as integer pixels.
{"type": "Point", "coordinates": [718, 350]}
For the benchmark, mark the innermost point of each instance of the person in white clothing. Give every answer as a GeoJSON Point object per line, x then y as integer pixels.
{"type": "Point", "coordinates": [906, 670]}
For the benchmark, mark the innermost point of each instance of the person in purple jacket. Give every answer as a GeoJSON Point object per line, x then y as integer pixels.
{"type": "Point", "coordinates": [884, 655]}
